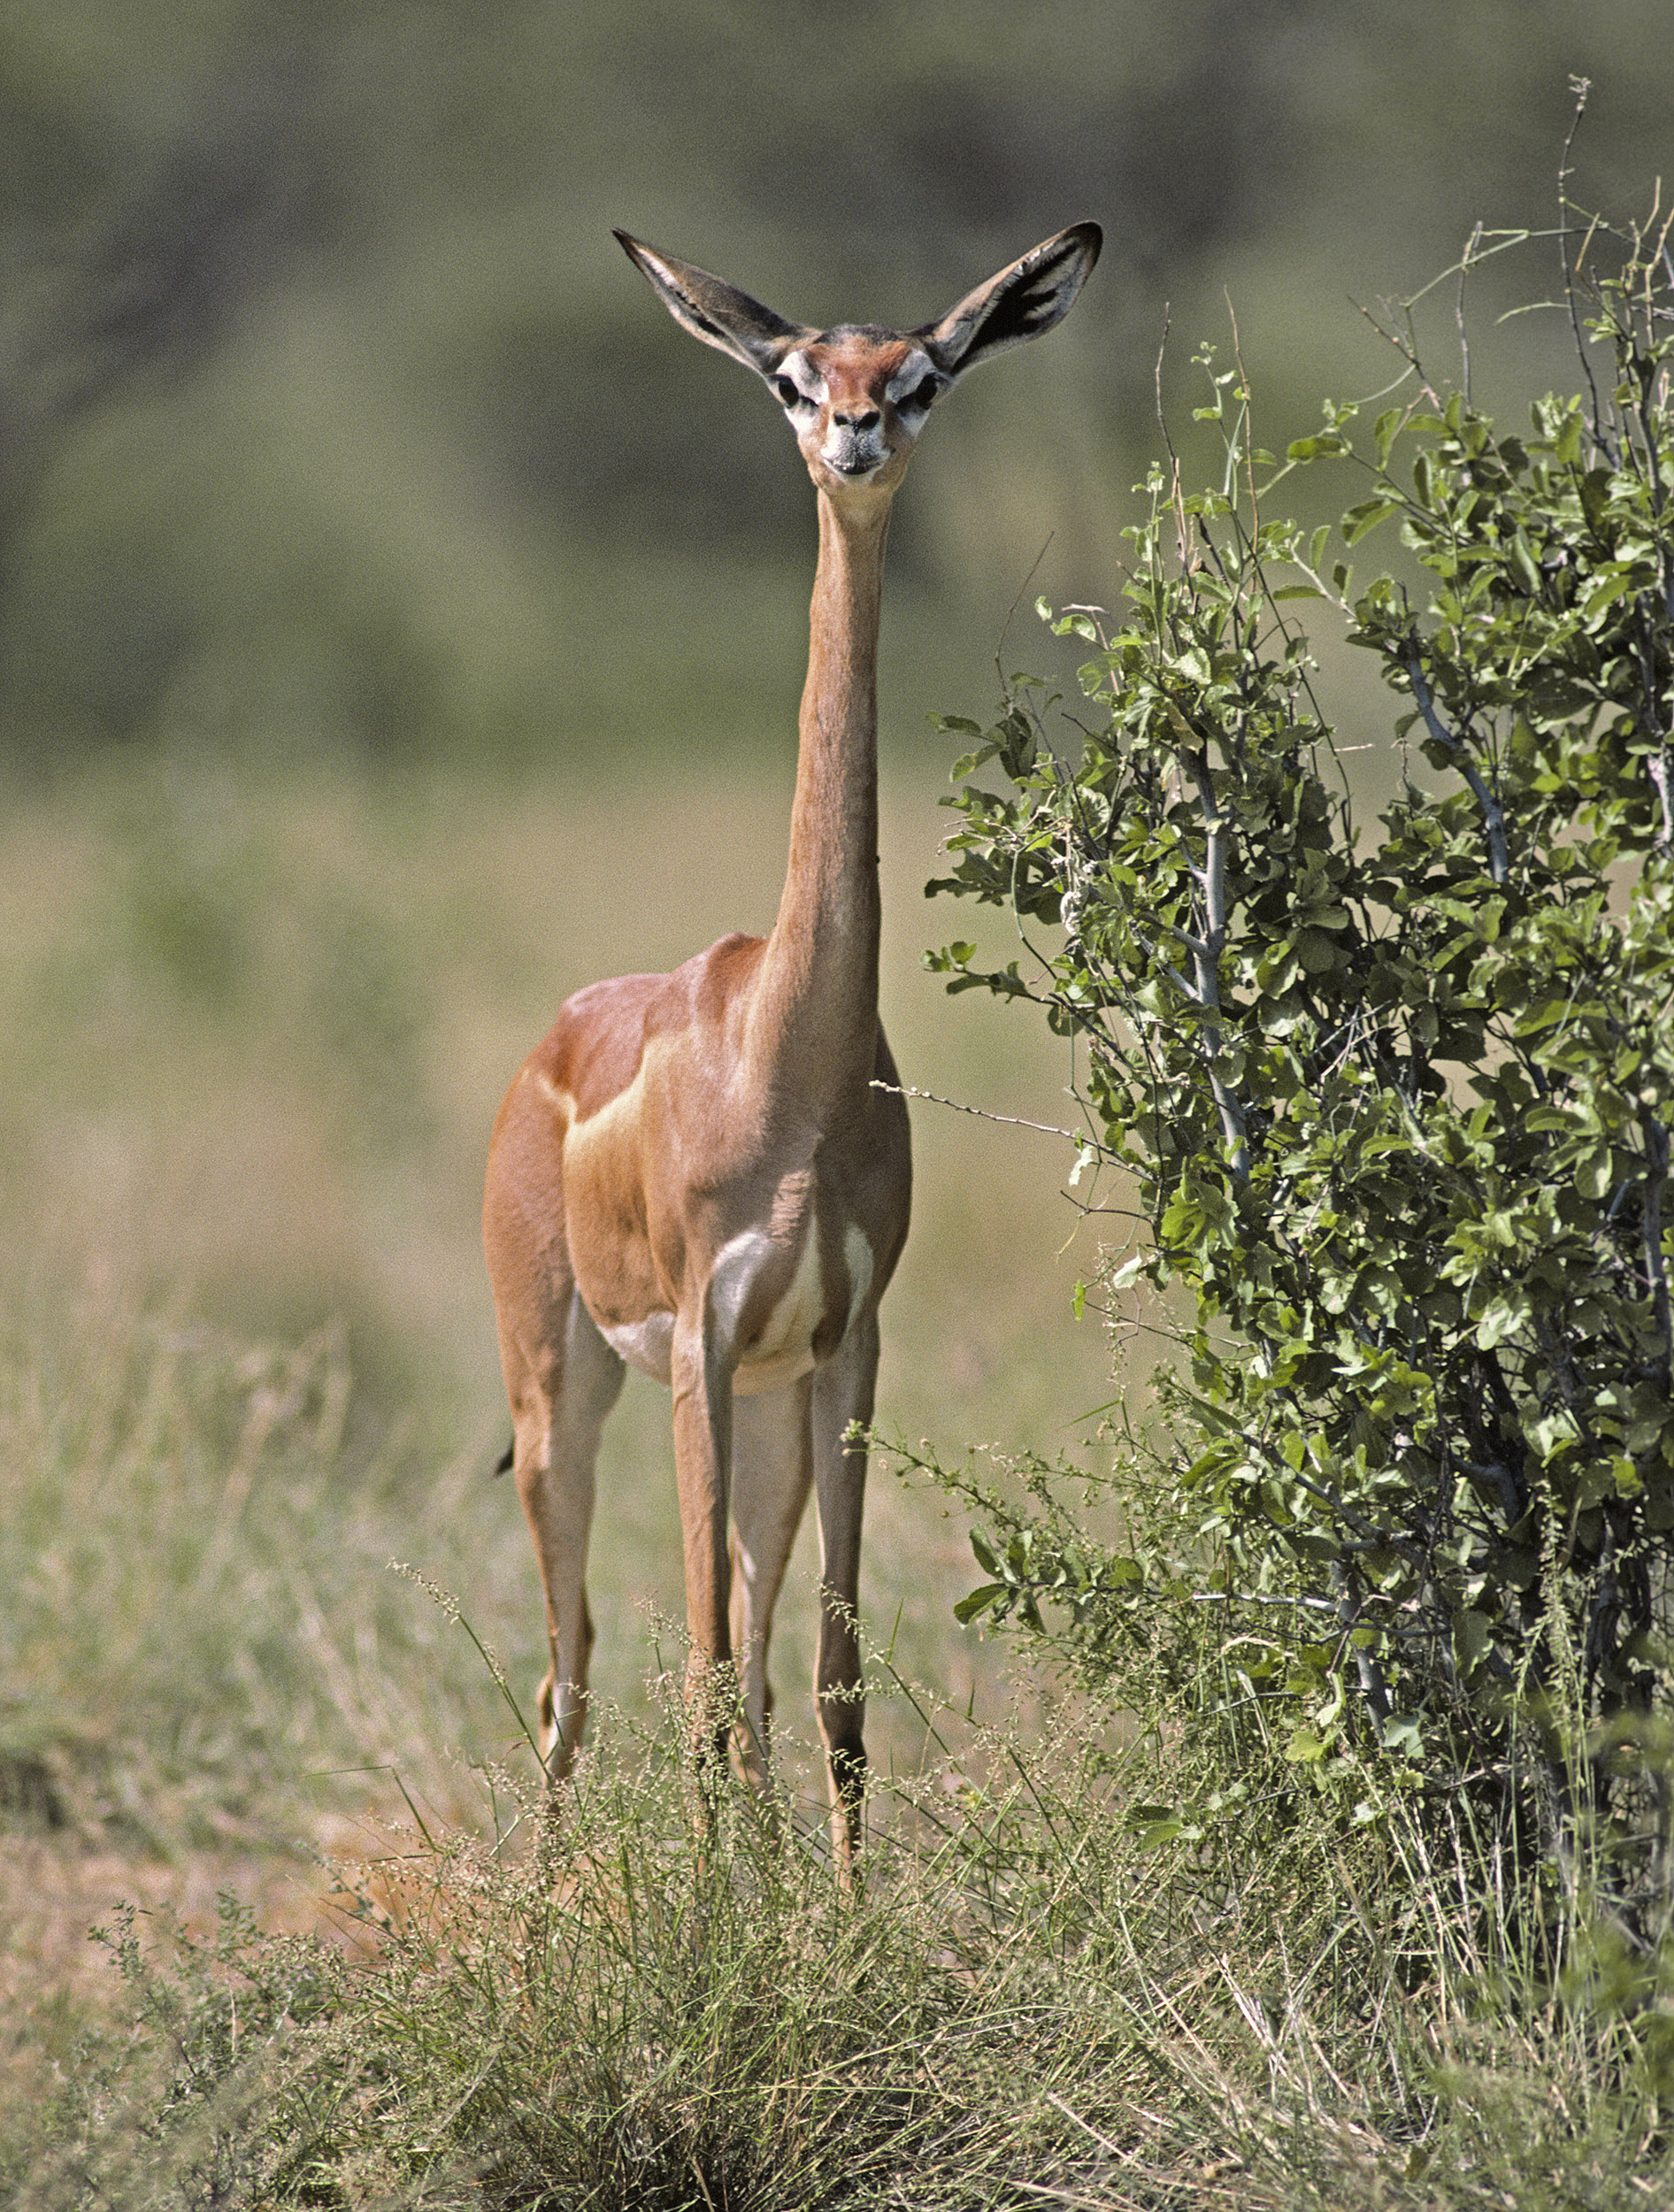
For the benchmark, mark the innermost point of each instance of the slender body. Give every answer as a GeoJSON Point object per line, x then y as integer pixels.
{"type": "Point", "coordinates": [696, 1173]}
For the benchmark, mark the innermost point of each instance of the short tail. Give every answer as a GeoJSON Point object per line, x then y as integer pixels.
{"type": "Point", "coordinates": [503, 1465]}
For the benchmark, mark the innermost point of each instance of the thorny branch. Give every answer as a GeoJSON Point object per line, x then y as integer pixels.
{"type": "Point", "coordinates": [1494, 820]}
{"type": "Point", "coordinates": [1011, 1121]}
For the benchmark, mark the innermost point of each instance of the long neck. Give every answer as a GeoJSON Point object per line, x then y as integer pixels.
{"type": "Point", "coordinates": [817, 1009]}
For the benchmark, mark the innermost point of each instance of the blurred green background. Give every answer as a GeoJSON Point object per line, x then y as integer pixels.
{"type": "Point", "coordinates": [335, 421]}
{"type": "Point", "coordinates": [402, 623]}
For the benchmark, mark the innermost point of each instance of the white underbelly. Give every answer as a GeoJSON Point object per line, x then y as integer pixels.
{"type": "Point", "coordinates": [648, 1344]}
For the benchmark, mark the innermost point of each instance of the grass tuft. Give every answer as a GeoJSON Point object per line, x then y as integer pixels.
{"type": "Point", "coordinates": [1025, 2004]}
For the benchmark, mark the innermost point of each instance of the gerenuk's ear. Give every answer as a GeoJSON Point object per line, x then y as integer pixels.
{"type": "Point", "coordinates": [716, 311]}
{"type": "Point", "coordinates": [1025, 301]}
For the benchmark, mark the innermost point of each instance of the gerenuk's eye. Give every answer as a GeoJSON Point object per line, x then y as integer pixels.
{"type": "Point", "coordinates": [787, 391]}
{"type": "Point", "coordinates": [923, 392]}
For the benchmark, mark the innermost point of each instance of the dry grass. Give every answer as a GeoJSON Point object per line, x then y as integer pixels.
{"type": "Point", "coordinates": [1024, 2007]}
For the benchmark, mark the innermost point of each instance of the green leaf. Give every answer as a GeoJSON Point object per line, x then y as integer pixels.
{"type": "Point", "coordinates": [1322, 444]}
{"type": "Point", "coordinates": [1472, 1640]}
{"type": "Point", "coordinates": [1501, 1321]}
{"type": "Point", "coordinates": [1366, 516]}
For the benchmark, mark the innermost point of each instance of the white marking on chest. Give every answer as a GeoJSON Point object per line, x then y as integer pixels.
{"type": "Point", "coordinates": [784, 1350]}
{"type": "Point", "coordinates": [784, 1347]}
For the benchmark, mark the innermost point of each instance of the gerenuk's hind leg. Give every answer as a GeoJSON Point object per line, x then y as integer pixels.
{"type": "Point", "coordinates": [773, 1469]}
{"type": "Point", "coordinates": [559, 1415]}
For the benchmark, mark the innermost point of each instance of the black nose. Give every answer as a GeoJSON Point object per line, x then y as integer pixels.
{"type": "Point", "coordinates": [868, 421]}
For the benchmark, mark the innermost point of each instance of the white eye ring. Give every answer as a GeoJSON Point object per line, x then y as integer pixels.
{"type": "Point", "coordinates": [789, 394]}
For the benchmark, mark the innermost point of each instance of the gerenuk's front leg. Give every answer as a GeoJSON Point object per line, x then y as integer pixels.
{"type": "Point", "coordinates": [702, 1388]}
{"type": "Point", "coordinates": [843, 1393]}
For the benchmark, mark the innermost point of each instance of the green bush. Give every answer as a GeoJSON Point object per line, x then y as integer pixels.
{"type": "Point", "coordinates": [1394, 1104]}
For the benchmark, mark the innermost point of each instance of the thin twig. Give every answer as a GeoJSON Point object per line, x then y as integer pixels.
{"type": "Point", "coordinates": [1459, 313]}
{"type": "Point", "coordinates": [1580, 87]}
{"type": "Point", "coordinates": [1012, 1121]}
{"type": "Point", "coordinates": [999, 649]}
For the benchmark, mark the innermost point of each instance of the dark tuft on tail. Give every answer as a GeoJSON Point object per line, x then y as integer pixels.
{"type": "Point", "coordinates": [503, 1465]}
